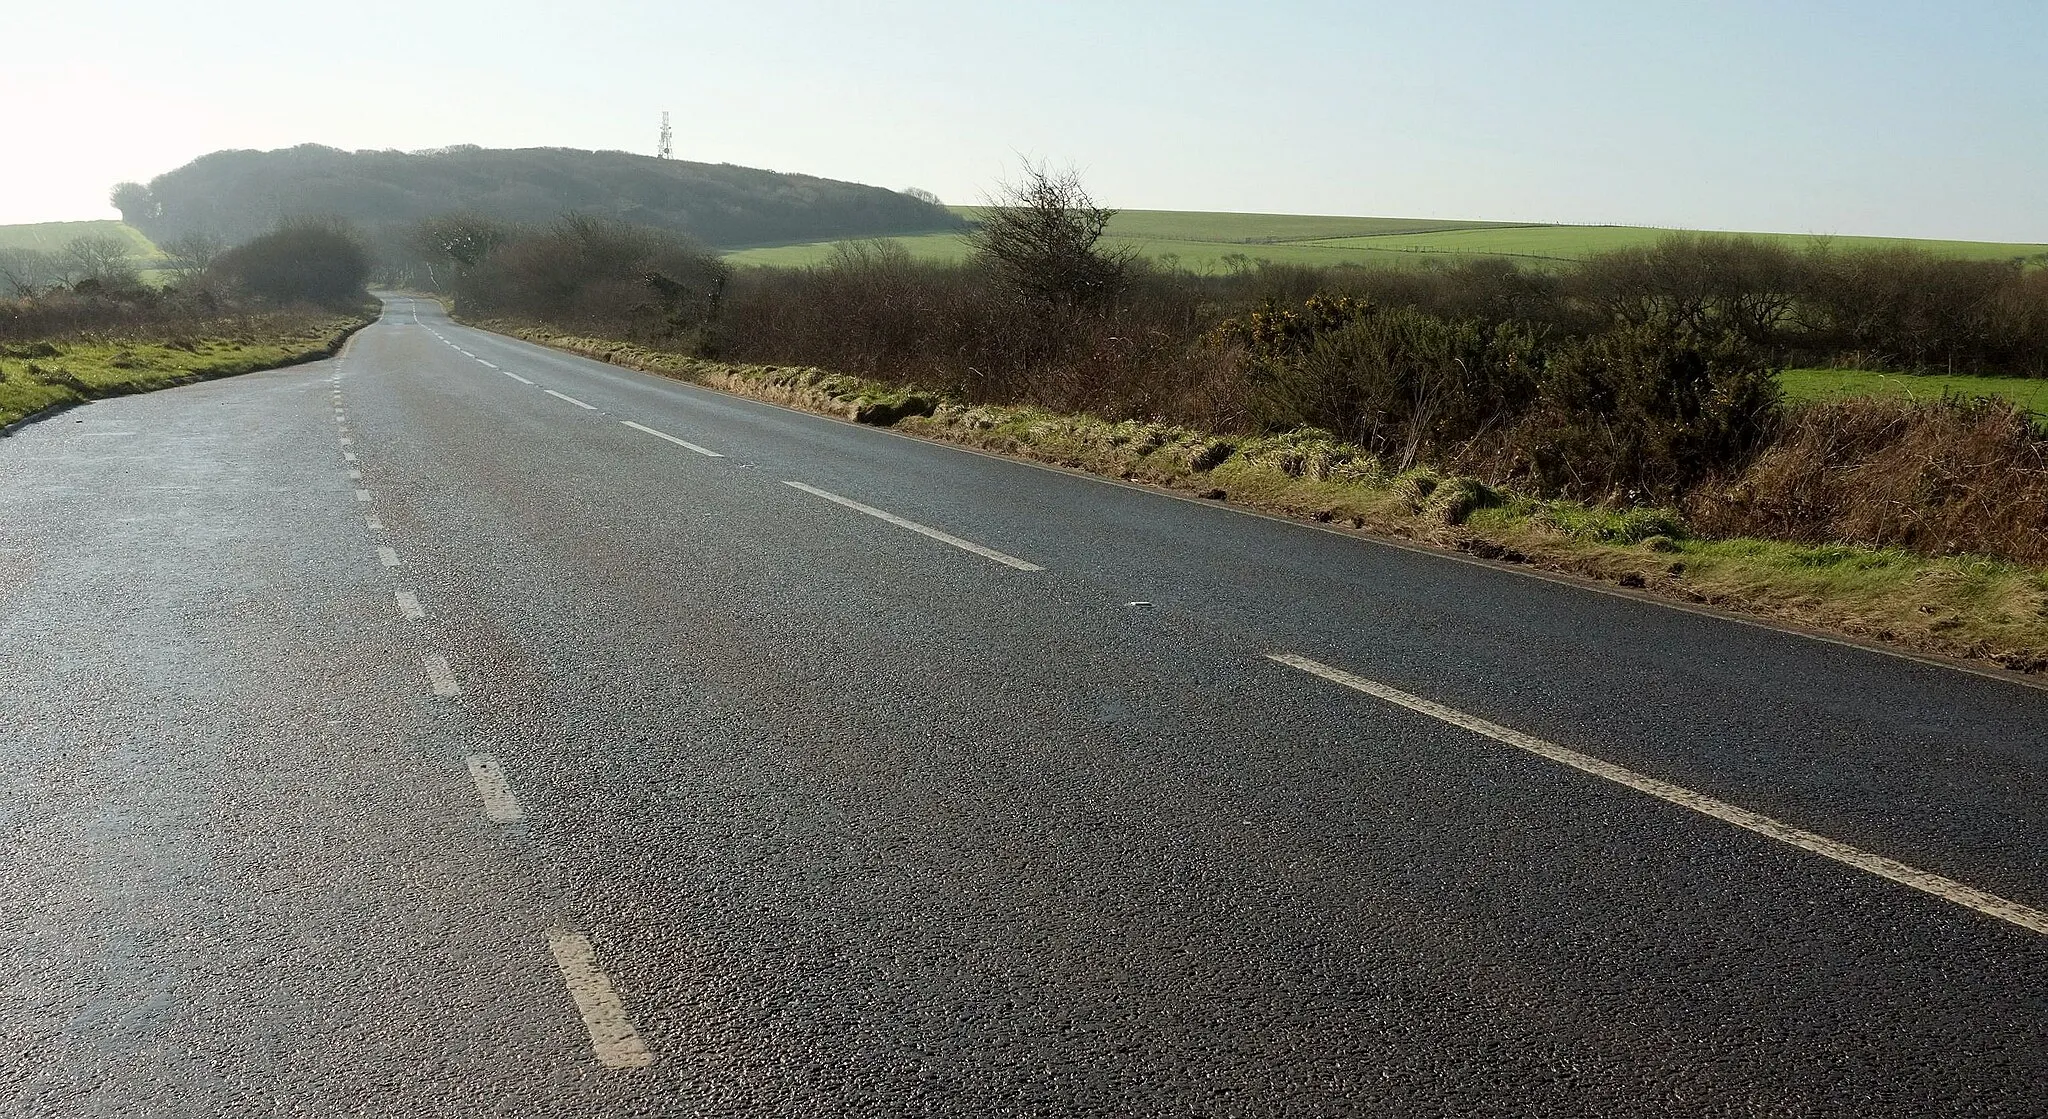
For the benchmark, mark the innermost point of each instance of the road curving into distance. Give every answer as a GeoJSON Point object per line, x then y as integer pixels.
{"type": "Point", "coordinates": [458, 727]}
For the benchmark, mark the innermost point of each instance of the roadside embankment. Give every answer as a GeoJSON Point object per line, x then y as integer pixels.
{"type": "Point", "coordinates": [1958, 606]}
{"type": "Point", "coordinates": [41, 376]}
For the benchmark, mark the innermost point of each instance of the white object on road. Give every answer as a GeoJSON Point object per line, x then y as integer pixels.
{"type": "Point", "coordinates": [1946, 889]}
{"type": "Point", "coordinates": [612, 1036]}
{"type": "Point", "coordinates": [684, 444]}
{"type": "Point", "coordinates": [500, 806]}
{"type": "Point", "coordinates": [925, 530]}
{"type": "Point", "coordinates": [440, 676]}
{"type": "Point", "coordinates": [409, 605]}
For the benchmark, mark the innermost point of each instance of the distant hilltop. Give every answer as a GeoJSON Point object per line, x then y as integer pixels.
{"type": "Point", "coordinates": [234, 195]}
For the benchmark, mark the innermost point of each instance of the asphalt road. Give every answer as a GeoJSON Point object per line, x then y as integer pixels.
{"type": "Point", "coordinates": [439, 731]}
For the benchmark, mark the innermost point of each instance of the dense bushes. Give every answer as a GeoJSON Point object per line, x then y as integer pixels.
{"type": "Point", "coordinates": [1646, 378]}
{"type": "Point", "coordinates": [321, 264]}
{"type": "Point", "coordinates": [299, 262]}
{"type": "Point", "coordinates": [593, 274]}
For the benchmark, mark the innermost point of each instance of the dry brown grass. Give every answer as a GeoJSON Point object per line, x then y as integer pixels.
{"type": "Point", "coordinates": [1934, 477]}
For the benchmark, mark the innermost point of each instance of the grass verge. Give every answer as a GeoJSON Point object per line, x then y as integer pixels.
{"type": "Point", "coordinates": [36, 376]}
{"type": "Point", "coordinates": [1956, 606]}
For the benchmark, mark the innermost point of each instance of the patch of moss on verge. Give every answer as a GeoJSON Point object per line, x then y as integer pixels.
{"type": "Point", "coordinates": [38, 376]}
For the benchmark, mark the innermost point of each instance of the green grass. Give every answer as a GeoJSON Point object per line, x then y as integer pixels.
{"type": "Point", "coordinates": [1211, 242]}
{"type": "Point", "coordinates": [52, 236]}
{"type": "Point", "coordinates": [38, 375]}
{"type": "Point", "coordinates": [1816, 384]}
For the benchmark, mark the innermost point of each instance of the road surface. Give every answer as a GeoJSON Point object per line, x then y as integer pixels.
{"type": "Point", "coordinates": [462, 728]}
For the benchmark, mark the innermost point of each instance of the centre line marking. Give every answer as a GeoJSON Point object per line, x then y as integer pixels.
{"type": "Point", "coordinates": [925, 530]}
{"type": "Point", "coordinates": [500, 806]}
{"type": "Point", "coordinates": [387, 557]}
{"type": "Point", "coordinates": [1946, 889]}
{"type": "Point", "coordinates": [348, 456]}
{"type": "Point", "coordinates": [346, 441]}
{"type": "Point", "coordinates": [515, 376]}
{"type": "Point", "coordinates": [570, 399]}
{"type": "Point", "coordinates": [362, 495]}
{"type": "Point", "coordinates": [375, 524]}
{"type": "Point", "coordinates": [355, 475]}
{"type": "Point", "coordinates": [485, 364]}
{"type": "Point", "coordinates": [439, 675]}
{"type": "Point", "coordinates": [612, 1036]}
{"type": "Point", "coordinates": [684, 444]}
{"type": "Point", "coordinates": [409, 605]}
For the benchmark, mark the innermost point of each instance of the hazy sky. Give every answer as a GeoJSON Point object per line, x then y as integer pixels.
{"type": "Point", "coordinates": [1918, 119]}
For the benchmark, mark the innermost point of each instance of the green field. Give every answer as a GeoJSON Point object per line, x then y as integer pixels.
{"type": "Point", "coordinates": [52, 236]}
{"type": "Point", "coordinates": [1205, 242]}
{"type": "Point", "coordinates": [1814, 384]}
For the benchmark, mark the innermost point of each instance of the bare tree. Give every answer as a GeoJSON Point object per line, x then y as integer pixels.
{"type": "Point", "coordinates": [923, 195]}
{"type": "Point", "coordinates": [99, 256]}
{"type": "Point", "coordinates": [1042, 236]}
{"type": "Point", "coordinates": [192, 254]}
{"type": "Point", "coordinates": [24, 272]}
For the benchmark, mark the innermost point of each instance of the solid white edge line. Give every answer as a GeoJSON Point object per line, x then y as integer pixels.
{"type": "Point", "coordinates": [570, 399]}
{"type": "Point", "coordinates": [925, 530]}
{"type": "Point", "coordinates": [515, 376]}
{"type": "Point", "coordinates": [409, 605]}
{"type": "Point", "coordinates": [440, 675]}
{"type": "Point", "coordinates": [612, 1036]}
{"type": "Point", "coordinates": [684, 444]}
{"type": "Point", "coordinates": [500, 805]}
{"type": "Point", "coordinates": [1947, 889]}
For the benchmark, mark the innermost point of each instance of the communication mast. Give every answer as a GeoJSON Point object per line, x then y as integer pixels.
{"type": "Point", "coordinates": [668, 138]}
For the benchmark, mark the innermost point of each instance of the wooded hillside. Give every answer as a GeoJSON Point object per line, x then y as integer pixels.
{"type": "Point", "coordinates": [235, 195]}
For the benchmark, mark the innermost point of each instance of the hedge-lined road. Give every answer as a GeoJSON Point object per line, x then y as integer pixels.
{"type": "Point", "coordinates": [462, 728]}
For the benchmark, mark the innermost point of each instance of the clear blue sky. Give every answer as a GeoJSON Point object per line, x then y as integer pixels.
{"type": "Point", "coordinates": [1913, 119]}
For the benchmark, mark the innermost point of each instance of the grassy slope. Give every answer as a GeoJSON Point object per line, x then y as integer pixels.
{"type": "Point", "coordinates": [1204, 241]}
{"type": "Point", "coordinates": [52, 236]}
{"type": "Point", "coordinates": [1960, 606]}
{"type": "Point", "coordinates": [35, 376]}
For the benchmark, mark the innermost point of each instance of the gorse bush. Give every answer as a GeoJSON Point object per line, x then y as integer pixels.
{"type": "Point", "coordinates": [1644, 413]}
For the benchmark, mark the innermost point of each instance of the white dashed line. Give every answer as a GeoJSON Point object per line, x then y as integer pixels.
{"type": "Point", "coordinates": [409, 605]}
{"type": "Point", "coordinates": [570, 399]}
{"type": "Point", "coordinates": [346, 441]}
{"type": "Point", "coordinates": [387, 557]}
{"type": "Point", "coordinates": [612, 1036]}
{"type": "Point", "coordinates": [925, 530]}
{"type": "Point", "coordinates": [375, 524]}
{"type": "Point", "coordinates": [485, 364]}
{"type": "Point", "coordinates": [1946, 889]}
{"type": "Point", "coordinates": [348, 456]}
{"type": "Point", "coordinates": [439, 675]}
{"type": "Point", "coordinates": [500, 806]}
{"type": "Point", "coordinates": [355, 475]}
{"type": "Point", "coordinates": [515, 376]}
{"type": "Point", "coordinates": [684, 444]}
{"type": "Point", "coordinates": [362, 495]}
